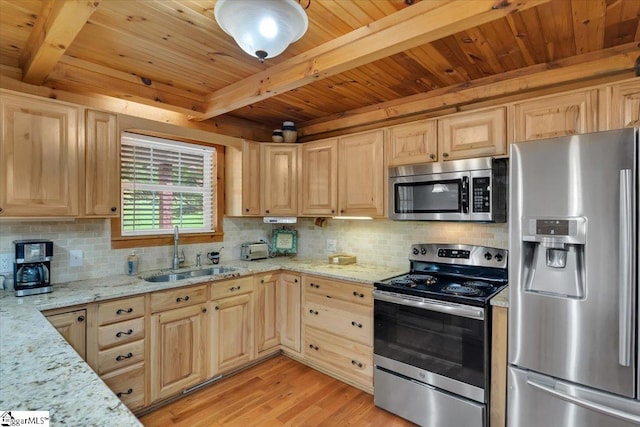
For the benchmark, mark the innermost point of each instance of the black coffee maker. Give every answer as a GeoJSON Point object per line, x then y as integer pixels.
{"type": "Point", "coordinates": [32, 267]}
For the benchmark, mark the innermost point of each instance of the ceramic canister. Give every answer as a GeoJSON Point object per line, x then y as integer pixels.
{"type": "Point", "coordinates": [289, 132]}
{"type": "Point", "coordinates": [277, 135]}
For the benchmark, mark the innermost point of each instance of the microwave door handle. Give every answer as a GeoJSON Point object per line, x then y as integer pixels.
{"type": "Point", "coordinates": [625, 270]}
{"type": "Point", "coordinates": [465, 194]}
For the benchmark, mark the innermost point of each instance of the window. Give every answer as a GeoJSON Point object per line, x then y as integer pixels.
{"type": "Point", "coordinates": [166, 183]}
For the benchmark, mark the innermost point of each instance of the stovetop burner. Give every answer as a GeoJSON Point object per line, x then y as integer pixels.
{"type": "Point", "coordinates": [457, 289]}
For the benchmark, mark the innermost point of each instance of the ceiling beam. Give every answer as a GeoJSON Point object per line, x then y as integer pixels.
{"type": "Point", "coordinates": [617, 60]}
{"type": "Point", "coordinates": [57, 26]}
{"type": "Point", "coordinates": [414, 26]}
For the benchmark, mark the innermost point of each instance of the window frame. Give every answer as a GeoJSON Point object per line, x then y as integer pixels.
{"type": "Point", "coordinates": [127, 242]}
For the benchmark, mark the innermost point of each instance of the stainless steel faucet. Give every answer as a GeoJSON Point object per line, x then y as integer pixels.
{"type": "Point", "coordinates": [177, 259]}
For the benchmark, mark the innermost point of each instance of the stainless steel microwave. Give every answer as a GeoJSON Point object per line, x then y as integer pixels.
{"type": "Point", "coordinates": [460, 190]}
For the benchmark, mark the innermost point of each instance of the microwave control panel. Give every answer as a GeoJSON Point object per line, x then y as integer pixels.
{"type": "Point", "coordinates": [481, 195]}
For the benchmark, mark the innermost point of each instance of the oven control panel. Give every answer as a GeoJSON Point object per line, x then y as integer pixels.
{"type": "Point", "coordinates": [453, 253]}
{"type": "Point", "coordinates": [471, 255]}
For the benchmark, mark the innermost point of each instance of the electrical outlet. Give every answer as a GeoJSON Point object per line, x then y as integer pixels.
{"type": "Point", "coordinates": [6, 263]}
{"type": "Point", "coordinates": [75, 258]}
{"type": "Point", "coordinates": [332, 245]}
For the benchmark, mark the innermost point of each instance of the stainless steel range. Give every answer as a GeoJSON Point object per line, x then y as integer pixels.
{"type": "Point", "coordinates": [432, 336]}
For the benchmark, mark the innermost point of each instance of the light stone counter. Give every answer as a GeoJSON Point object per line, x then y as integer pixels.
{"type": "Point", "coordinates": [502, 299]}
{"type": "Point", "coordinates": [40, 371]}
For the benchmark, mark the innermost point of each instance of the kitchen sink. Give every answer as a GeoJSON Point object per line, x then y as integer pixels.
{"type": "Point", "coordinates": [171, 277]}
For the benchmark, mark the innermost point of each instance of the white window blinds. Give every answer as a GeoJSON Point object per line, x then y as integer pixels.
{"type": "Point", "coordinates": [165, 183]}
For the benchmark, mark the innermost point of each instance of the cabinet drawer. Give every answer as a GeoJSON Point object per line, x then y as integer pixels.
{"type": "Point", "coordinates": [176, 298]}
{"type": "Point", "coordinates": [349, 320]}
{"type": "Point", "coordinates": [120, 333]}
{"type": "Point", "coordinates": [331, 288]}
{"type": "Point", "coordinates": [128, 385]}
{"type": "Point", "coordinates": [121, 356]}
{"type": "Point", "coordinates": [339, 355]}
{"type": "Point", "coordinates": [230, 288]}
{"type": "Point", "coordinates": [123, 309]}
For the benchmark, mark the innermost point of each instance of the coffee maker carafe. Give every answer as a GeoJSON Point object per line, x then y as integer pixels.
{"type": "Point", "coordinates": [32, 267]}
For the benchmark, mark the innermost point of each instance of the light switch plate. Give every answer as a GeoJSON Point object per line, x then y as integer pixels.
{"type": "Point", "coordinates": [75, 258]}
{"type": "Point", "coordinates": [6, 263]}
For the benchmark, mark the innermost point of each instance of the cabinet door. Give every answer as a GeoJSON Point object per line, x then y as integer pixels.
{"type": "Point", "coordinates": [73, 328]}
{"type": "Point", "coordinates": [279, 179]}
{"type": "Point", "coordinates": [412, 143]}
{"type": "Point", "coordinates": [498, 410]}
{"type": "Point", "coordinates": [177, 350]}
{"type": "Point", "coordinates": [232, 333]}
{"type": "Point", "coordinates": [250, 178]}
{"type": "Point", "coordinates": [102, 165]}
{"type": "Point", "coordinates": [267, 322]}
{"type": "Point", "coordinates": [319, 178]}
{"type": "Point", "coordinates": [474, 134]}
{"type": "Point", "coordinates": [38, 158]}
{"type": "Point", "coordinates": [550, 117]}
{"type": "Point", "coordinates": [361, 174]}
{"type": "Point", "coordinates": [290, 321]}
{"type": "Point", "coordinates": [625, 105]}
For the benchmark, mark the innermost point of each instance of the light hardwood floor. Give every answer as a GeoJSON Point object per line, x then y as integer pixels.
{"type": "Point", "coordinates": [277, 392]}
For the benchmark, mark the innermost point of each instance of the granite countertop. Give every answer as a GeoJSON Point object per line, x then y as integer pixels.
{"type": "Point", "coordinates": [40, 371]}
{"type": "Point", "coordinates": [502, 299]}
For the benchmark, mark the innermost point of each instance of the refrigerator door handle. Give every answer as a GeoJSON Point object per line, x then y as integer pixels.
{"type": "Point", "coordinates": [585, 403]}
{"type": "Point", "coordinates": [625, 269]}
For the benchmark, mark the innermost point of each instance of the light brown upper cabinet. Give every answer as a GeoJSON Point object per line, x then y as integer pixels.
{"type": "Point", "coordinates": [412, 143]}
{"type": "Point", "coordinates": [242, 179]}
{"type": "Point", "coordinates": [319, 178]}
{"type": "Point", "coordinates": [101, 165]}
{"type": "Point", "coordinates": [361, 174]}
{"type": "Point", "coordinates": [558, 115]}
{"type": "Point", "coordinates": [624, 105]}
{"type": "Point", "coordinates": [39, 157]}
{"type": "Point", "coordinates": [474, 134]}
{"type": "Point", "coordinates": [279, 164]}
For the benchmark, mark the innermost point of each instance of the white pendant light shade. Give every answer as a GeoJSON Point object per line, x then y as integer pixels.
{"type": "Point", "coordinates": [262, 28]}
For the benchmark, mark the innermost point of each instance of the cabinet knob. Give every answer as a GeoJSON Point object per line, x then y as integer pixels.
{"type": "Point", "coordinates": [80, 318]}
{"type": "Point", "coordinates": [356, 324]}
{"type": "Point", "coordinates": [261, 280]}
{"type": "Point", "coordinates": [127, 356]}
{"type": "Point", "coordinates": [358, 294]}
{"type": "Point", "coordinates": [295, 280]}
{"type": "Point", "coordinates": [113, 209]}
{"type": "Point", "coordinates": [119, 334]}
{"type": "Point", "coordinates": [246, 209]}
{"type": "Point", "coordinates": [0, 209]}
{"type": "Point", "coordinates": [341, 210]}
{"type": "Point", "coordinates": [122, 393]}
{"type": "Point", "coordinates": [123, 311]}
{"type": "Point", "coordinates": [432, 156]}
{"type": "Point", "coordinates": [179, 299]}
{"type": "Point", "coordinates": [333, 211]}
{"type": "Point", "coordinates": [217, 308]}
{"type": "Point", "coordinates": [267, 211]}
{"type": "Point", "coordinates": [204, 309]}
{"type": "Point", "coordinates": [356, 363]}
{"type": "Point", "coordinates": [445, 155]}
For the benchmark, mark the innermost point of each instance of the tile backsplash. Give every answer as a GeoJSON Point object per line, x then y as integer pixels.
{"type": "Point", "coordinates": [373, 242]}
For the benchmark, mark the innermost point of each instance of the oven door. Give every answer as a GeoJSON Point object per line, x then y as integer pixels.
{"type": "Point", "coordinates": [436, 342]}
{"type": "Point", "coordinates": [442, 196]}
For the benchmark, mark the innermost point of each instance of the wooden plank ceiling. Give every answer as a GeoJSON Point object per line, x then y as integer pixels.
{"type": "Point", "coordinates": [360, 62]}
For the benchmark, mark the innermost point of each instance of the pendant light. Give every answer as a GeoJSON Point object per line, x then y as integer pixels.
{"type": "Point", "coordinates": [262, 28]}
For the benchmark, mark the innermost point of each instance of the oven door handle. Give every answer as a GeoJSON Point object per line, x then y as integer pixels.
{"type": "Point", "coordinates": [447, 308]}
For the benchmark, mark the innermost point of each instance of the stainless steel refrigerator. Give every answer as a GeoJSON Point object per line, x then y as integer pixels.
{"type": "Point", "coordinates": [573, 280]}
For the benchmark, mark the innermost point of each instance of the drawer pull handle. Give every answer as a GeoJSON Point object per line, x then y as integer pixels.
{"type": "Point", "coordinates": [313, 312]}
{"type": "Point", "coordinates": [123, 311]}
{"type": "Point", "coordinates": [359, 325]}
{"type": "Point", "coordinates": [121, 357]}
{"type": "Point", "coordinates": [313, 285]}
{"type": "Point", "coordinates": [313, 347]}
{"type": "Point", "coordinates": [356, 363]}
{"type": "Point", "coordinates": [179, 299]}
{"type": "Point", "coordinates": [358, 294]}
{"type": "Point", "coordinates": [234, 288]}
{"type": "Point", "coordinates": [129, 332]}
{"type": "Point", "coordinates": [122, 393]}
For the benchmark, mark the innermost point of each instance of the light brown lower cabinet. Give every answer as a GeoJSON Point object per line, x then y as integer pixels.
{"type": "Point", "coordinates": [128, 385]}
{"type": "Point", "coordinates": [231, 332]}
{"type": "Point", "coordinates": [267, 317]}
{"type": "Point", "coordinates": [498, 405]}
{"type": "Point", "coordinates": [289, 312]}
{"type": "Point", "coordinates": [178, 349]}
{"type": "Point", "coordinates": [72, 326]}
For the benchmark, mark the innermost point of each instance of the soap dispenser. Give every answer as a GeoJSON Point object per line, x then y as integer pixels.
{"type": "Point", "coordinates": [132, 263]}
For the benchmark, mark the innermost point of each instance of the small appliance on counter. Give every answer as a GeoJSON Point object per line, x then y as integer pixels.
{"type": "Point", "coordinates": [252, 251]}
{"type": "Point", "coordinates": [32, 267]}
